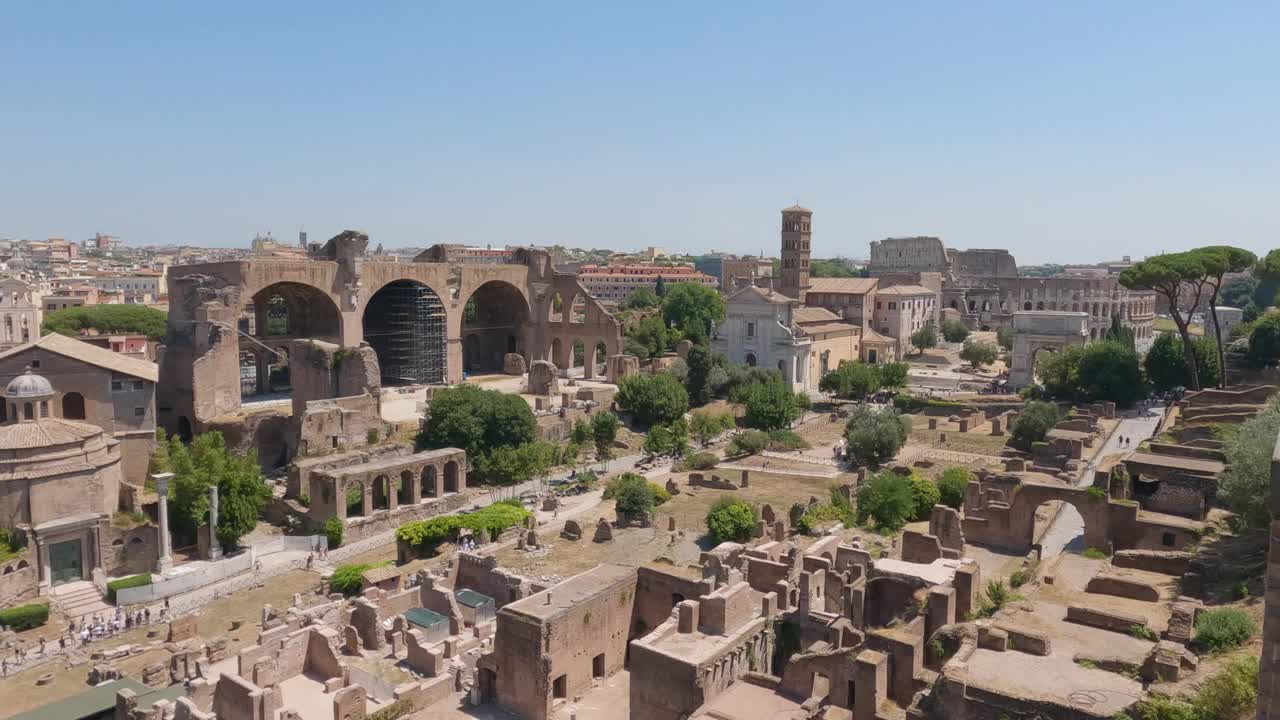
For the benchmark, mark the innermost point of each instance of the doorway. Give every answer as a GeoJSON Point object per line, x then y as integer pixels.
{"type": "Point", "coordinates": [66, 564]}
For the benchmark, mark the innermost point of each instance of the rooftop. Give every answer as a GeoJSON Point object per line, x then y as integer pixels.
{"type": "Point", "coordinates": [1202, 467]}
{"type": "Point", "coordinates": [850, 286]}
{"type": "Point", "coordinates": [92, 354]}
{"type": "Point", "coordinates": [905, 290]}
{"type": "Point", "coordinates": [572, 592]}
{"type": "Point", "coordinates": [45, 432]}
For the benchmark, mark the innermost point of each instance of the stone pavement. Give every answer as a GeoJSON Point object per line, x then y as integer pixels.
{"type": "Point", "coordinates": [1067, 530]}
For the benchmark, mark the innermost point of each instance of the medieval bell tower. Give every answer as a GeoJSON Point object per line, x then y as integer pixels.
{"type": "Point", "coordinates": [796, 234]}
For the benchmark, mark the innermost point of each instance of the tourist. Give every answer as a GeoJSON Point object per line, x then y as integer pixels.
{"type": "Point", "coordinates": [147, 615]}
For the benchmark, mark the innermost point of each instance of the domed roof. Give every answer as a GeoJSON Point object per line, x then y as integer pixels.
{"type": "Point", "coordinates": [28, 385]}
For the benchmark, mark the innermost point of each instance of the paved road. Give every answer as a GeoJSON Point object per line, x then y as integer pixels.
{"type": "Point", "coordinates": [1067, 531]}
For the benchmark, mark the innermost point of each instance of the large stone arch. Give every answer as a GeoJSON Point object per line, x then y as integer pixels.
{"type": "Point", "coordinates": [405, 322]}
{"type": "Point", "coordinates": [309, 312]}
{"type": "Point", "coordinates": [887, 598]}
{"type": "Point", "coordinates": [1036, 331]}
{"type": "Point", "coordinates": [495, 319]}
{"type": "Point", "coordinates": [1009, 522]}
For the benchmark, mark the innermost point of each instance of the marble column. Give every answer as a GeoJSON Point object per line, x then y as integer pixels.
{"type": "Point", "coordinates": [215, 547]}
{"type": "Point", "coordinates": [166, 551]}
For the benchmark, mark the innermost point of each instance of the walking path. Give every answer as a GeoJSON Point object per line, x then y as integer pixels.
{"type": "Point", "coordinates": [1066, 532]}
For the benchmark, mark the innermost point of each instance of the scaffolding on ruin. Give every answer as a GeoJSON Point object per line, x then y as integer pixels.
{"type": "Point", "coordinates": [405, 325]}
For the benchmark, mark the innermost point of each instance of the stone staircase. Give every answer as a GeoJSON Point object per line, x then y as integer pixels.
{"type": "Point", "coordinates": [80, 599]}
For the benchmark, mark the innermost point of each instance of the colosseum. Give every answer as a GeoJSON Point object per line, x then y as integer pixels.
{"type": "Point", "coordinates": [983, 286]}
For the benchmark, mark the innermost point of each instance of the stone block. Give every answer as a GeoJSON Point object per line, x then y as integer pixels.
{"type": "Point", "coordinates": [542, 378]}
{"type": "Point", "coordinates": [604, 531]}
{"type": "Point", "coordinates": [183, 628]}
{"type": "Point", "coordinates": [513, 364]}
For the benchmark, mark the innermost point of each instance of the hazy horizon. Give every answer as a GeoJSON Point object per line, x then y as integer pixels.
{"type": "Point", "coordinates": [1064, 134]}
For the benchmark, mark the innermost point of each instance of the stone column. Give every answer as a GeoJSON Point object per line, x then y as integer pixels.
{"type": "Point", "coordinates": [165, 562]}
{"type": "Point", "coordinates": [46, 572]}
{"type": "Point", "coordinates": [215, 547]}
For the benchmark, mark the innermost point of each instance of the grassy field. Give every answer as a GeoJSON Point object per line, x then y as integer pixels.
{"type": "Point", "coordinates": [1167, 325]}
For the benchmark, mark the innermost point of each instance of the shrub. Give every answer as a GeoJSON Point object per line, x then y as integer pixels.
{"type": "Point", "coordinates": [702, 461]}
{"type": "Point", "coordinates": [996, 596]}
{"type": "Point", "coordinates": [1094, 554]}
{"type": "Point", "coordinates": [1246, 483]}
{"type": "Point", "coordinates": [333, 529]}
{"type": "Point", "coordinates": [126, 582]}
{"type": "Point", "coordinates": [1035, 420]}
{"type": "Point", "coordinates": [1142, 632]}
{"type": "Point", "coordinates": [783, 440]}
{"type": "Point", "coordinates": [1096, 493]}
{"type": "Point", "coordinates": [1230, 692]}
{"type": "Point", "coordinates": [706, 425]}
{"type": "Point", "coordinates": [874, 436]}
{"type": "Point", "coordinates": [817, 516]}
{"type": "Point", "coordinates": [633, 494]}
{"type": "Point", "coordinates": [925, 494]}
{"type": "Point", "coordinates": [978, 354]}
{"type": "Point", "coordinates": [25, 617]}
{"type": "Point", "coordinates": [1223, 629]}
{"type": "Point", "coordinates": [1264, 340]}
{"type": "Point", "coordinates": [1021, 577]}
{"type": "Point", "coordinates": [346, 578]}
{"type": "Point", "coordinates": [653, 398]}
{"type": "Point", "coordinates": [660, 494]}
{"type": "Point", "coordinates": [954, 331]}
{"type": "Point", "coordinates": [886, 498]}
{"type": "Point", "coordinates": [904, 403]}
{"type": "Point", "coordinates": [771, 406]}
{"type": "Point", "coordinates": [749, 442]}
{"type": "Point", "coordinates": [952, 485]}
{"type": "Point", "coordinates": [731, 519]}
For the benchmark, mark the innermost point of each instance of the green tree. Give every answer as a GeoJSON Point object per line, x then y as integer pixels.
{"type": "Point", "coordinates": [893, 375]}
{"type": "Point", "coordinates": [515, 465]}
{"type": "Point", "coordinates": [978, 353]}
{"type": "Point", "coordinates": [242, 490]}
{"type": "Point", "coordinates": [1219, 260]}
{"type": "Point", "coordinates": [954, 331]}
{"type": "Point", "coordinates": [679, 430]}
{"type": "Point", "coordinates": [1176, 276]}
{"type": "Point", "coordinates": [924, 495]}
{"type": "Point", "coordinates": [1059, 371]}
{"type": "Point", "coordinates": [650, 338]}
{"type": "Point", "coordinates": [1004, 336]}
{"type": "Point", "coordinates": [1238, 292]}
{"type": "Point", "coordinates": [1119, 333]}
{"type": "Point", "coordinates": [478, 421]}
{"type": "Point", "coordinates": [1264, 341]}
{"type": "Point", "coordinates": [657, 441]}
{"type": "Point", "coordinates": [634, 495]}
{"type": "Point", "coordinates": [1166, 365]}
{"type": "Point", "coordinates": [692, 308]}
{"type": "Point", "coordinates": [731, 519]}
{"type": "Point", "coordinates": [1267, 272]}
{"type": "Point", "coordinates": [660, 287]}
{"type": "Point", "coordinates": [1033, 423]}
{"type": "Point", "coordinates": [771, 406]}
{"type": "Point", "coordinates": [1111, 371]}
{"type": "Point", "coordinates": [604, 431]}
{"type": "Point", "coordinates": [699, 363]}
{"type": "Point", "coordinates": [851, 380]}
{"type": "Point", "coordinates": [925, 338]}
{"type": "Point", "coordinates": [886, 498]}
{"type": "Point", "coordinates": [874, 436]}
{"type": "Point", "coordinates": [581, 431]}
{"type": "Point", "coordinates": [106, 320]}
{"type": "Point", "coordinates": [1246, 482]}
{"type": "Point", "coordinates": [653, 398]}
{"type": "Point", "coordinates": [706, 425]}
{"type": "Point", "coordinates": [952, 486]}
{"type": "Point", "coordinates": [639, 299]}
{"type": "Point", "coordinates": [830, 269]}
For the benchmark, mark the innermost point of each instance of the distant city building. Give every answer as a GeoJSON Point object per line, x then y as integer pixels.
{"type": "Point", "coordinates": [614, 282]}
{"type": "Point", "coordinates": [739, 272]}
{"type": "Point", "coordinates": [902, 310]}
{"type": "Point", "coordinates": [142, 288]}
{"type": "Point", "coordinates": [102, 242]}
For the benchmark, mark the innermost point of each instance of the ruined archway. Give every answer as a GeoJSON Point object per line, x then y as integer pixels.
{"type": "Point", "coordinates": [290, 309]}
{"type": "Point", "coordinates": [404, 494]}
{"type": "Point", "coordinates": [493, 323]}
{"type": "Point", "coordinates": [404, 323]}
{"type": "Point", "coordinates": [1059, 528]}
{"type": "Point", "coordinates": [451, 477]}
{"type": "Point", "coordinates": [429, 481]}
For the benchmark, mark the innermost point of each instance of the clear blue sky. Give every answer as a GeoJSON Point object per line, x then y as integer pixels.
{"type": "Point", "coordinates": [1074, 132]}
